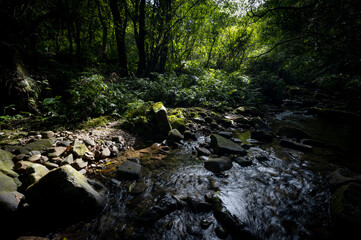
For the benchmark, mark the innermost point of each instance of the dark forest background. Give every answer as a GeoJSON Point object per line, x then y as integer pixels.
{"type": "Point", "coordinates": [69, 60]}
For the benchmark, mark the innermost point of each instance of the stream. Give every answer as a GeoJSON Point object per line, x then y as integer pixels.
{"type": "Point", "coordinates": [284, 194]}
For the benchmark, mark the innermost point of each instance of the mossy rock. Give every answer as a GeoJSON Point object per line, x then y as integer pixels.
{"type": "Point", "coordinates": [6, 159]}
{"type": "Point", "coordinates": [7, 183]}
{"type": "Point", "coordinates": [37, 145]}
{"type": "Point", "coordinates": [162, 118]}
{"type": "Point", "coordinates": [177, 119]}
{"type": "Point", "coordinates": [243, 136]}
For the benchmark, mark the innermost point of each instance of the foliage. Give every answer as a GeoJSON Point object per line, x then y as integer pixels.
{"type": "Point", "coordinates": [93, 96]}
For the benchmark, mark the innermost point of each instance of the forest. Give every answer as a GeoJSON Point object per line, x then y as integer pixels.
{"type": "Point", "coordinates": [245, 88]}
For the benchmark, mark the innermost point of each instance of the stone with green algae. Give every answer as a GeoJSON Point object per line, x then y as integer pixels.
{"type": "Point", "coordinates": [162, 118]}
{"type": "Point", "coordinates": [222, 145]}
{"type": "Point", "coordinates": [38, 145]}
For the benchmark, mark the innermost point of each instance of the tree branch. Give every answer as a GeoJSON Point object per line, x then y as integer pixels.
{"type": "Point", "coordinates": [276, 45]}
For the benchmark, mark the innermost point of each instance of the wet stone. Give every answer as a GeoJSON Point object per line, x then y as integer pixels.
{"type": "Point", "coordinates": [225, 134]}
{"type": "Point", "coordinates": [68, 160]}
{"type": "Point", "coordinates": [217, 165]}
{"type": "Point", "coordinates": [47, 134]}
{"type": "Point", "coordinates": [129, 170]}
{"type": "Point", "coordinates": [223, 145]}
{"type": "Point", "coordinates": [64, 143]}
{"type": "Point", "coordinates": [50, 165]}
{"type": "Point", "coordinates": [89, 142]}
{"type": "Point", "coordinates": [78, 164]}
{"type": "Point", "coordinates": [243, 161]}
{"type": "Point", "coordinates": [34, 158]}
{"type": "Point", "coordinates": [202, 151]}
{"type": "Point", "coordinates": [56, 151]}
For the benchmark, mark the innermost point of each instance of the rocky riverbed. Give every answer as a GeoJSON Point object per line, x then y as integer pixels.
{"type": "Point", "coordinates": [202, 175]}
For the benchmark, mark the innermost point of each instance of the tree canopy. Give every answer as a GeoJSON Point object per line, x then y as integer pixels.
{"type": "Point", "coordinates": [45, 45]}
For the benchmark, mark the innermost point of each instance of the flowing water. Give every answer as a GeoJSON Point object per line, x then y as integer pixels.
{"type": "Point", "coordinates": [283, 195]}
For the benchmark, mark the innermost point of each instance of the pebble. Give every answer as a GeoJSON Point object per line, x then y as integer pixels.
{"type": "Point", "coordinates": [34, 158]}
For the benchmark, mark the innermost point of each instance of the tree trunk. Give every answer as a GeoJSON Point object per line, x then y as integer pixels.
{"type": "Point", "coordinates": [119, 30]}
{"type": "Point", "coordinates": [105, 31]}
{"type": "Point", "coordinates": [166, 8]}
{"type": "Point", "coordinates": [141, 40]}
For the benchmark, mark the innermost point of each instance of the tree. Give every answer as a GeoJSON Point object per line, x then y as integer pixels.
{"type": "Point", "coordinates": [120, 24]}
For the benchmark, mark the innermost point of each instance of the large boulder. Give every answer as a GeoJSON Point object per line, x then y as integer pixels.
{"type": "Point", "coordinates": [217, 165]}
{"type": "Point", "coordinates": [66, 194]}
{"type": "Point", "coordinates": [9, 181]}
{"type": "Point", "coordinates": [162, 119]}
{"type": "Point", "coordinates": [6, 159]}
{"type": "Point", "coordinates": [222, 145]}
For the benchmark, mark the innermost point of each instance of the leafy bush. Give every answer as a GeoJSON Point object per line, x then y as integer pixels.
{"type": "Point", "coordinates": [93, 96]}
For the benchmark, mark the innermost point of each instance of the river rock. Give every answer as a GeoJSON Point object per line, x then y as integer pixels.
{"type": "Point", "coordinates": [243, 161]}
{"type": "Point", "coordinates": [129, 170]}
{"type": "Point", "coordinates": [222, 145]}
{"type": "Point", "coordinates": [47, 134]}
{"type": "Point", "coordinates": [225, 134]}
{"type": "Point", "coordinates": [118, 139]}
{"type": "Point", "coordinates": [6, 159]}
{"type": "Point", "coordinates": [175, 135]}
{"type": "Point", "coordinates": [68, 160]}
{"type": "Point", "coordinates": [64, 143]}
{"type": "Point", "coordinates": [33, 173]}
{"type": "Point", "coordinates": [162, 119]}
{"type": "Point", "coordinates": [295, 145]}
{"type": "Point", "coordinates": [202, 151]}
{"type": "Point", "coordinates": [217, 165]}
{"type": "Point", "coordinates": [79, 149]}
{"type": "Point", "coordinates": [78, 164]}
{"type": "Point", "coordinates": [50, 165]}
{"type": "Point", "coordinates": [8, 183]}
{"type": "Point", "coordinates": [292, 132]}
{"type": "Point", "coordinates": [21, 166]}
{"type": "Point", "coordinates": [346, 210]}
{"type": "Point", "coordinates": [67, 193]}
{"type": "Point", "coordinates": [38, 145]}
{"type": "Point", "coordinates": [9, 202]}
{"type": "Point", "coordinates": [89, 142]}
{"type": "Point", "coordinates": [55, 151]}
{"type": "Point", "coordinates": [34, 158]}
{"type": "Point", "coordinates": [103, 152]}
{"type": "Point", "coordinates": [89, 156]}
